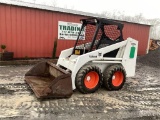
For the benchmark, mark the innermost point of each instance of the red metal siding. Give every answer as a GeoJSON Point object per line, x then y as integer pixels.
{"type": "Point", "coordinates": [138, 32]}
{"type": "Point", "coordinates": [31, 32]}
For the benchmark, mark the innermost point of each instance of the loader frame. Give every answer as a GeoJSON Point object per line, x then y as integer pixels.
{"type": "Point", "coordinates": [126, 52]}
{"type": "Point", "coordinates": [75, 62]}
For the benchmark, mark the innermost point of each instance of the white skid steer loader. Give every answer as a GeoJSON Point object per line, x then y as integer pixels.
{"type": "Point", "coordinates": [103, 57]}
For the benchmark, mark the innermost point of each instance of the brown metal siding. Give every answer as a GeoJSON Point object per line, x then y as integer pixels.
{"type": "Point", "coordinates": [31, 32]}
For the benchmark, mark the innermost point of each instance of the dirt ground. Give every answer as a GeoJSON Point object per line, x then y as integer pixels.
{"type": "Point", "coordinates": [139, 99]}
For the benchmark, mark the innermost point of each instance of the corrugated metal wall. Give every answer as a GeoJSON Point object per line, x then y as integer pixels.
{"type": "Point", "coordinates": [31, 32]}
{"type": "Point", "coordinates": [138, 32]}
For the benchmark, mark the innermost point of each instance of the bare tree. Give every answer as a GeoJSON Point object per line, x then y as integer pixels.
{"type": "Point", "coordinates": [34, 1]}
{"type": "Point", "coordinates": [54, 3]}
{"type": "Point", "coordinates": [155, 28]}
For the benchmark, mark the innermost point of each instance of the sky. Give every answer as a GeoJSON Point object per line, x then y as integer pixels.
{"type": "Point", "coordinates": [149, 8]}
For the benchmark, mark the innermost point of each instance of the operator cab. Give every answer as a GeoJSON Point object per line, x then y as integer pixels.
{"type": "Point", "coordinates": [99, 33]}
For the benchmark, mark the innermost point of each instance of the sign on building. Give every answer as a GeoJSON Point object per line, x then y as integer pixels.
{"type": "Point", "coordinates": [69, 31]}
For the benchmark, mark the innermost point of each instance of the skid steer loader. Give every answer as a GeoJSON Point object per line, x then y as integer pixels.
{"type": "Point", "coordinates": [101, 57]}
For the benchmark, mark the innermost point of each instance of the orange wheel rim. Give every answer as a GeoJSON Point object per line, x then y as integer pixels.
{"type": "Point", "coordinates": [91, 79]}
{"type": "Point", "coordinates": [117, 78]}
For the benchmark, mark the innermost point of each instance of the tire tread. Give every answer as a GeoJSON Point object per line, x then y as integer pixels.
{"type": "Point", "coordinates": [79, 81]}
{"type": "Point", "coordinates": [108, 73]}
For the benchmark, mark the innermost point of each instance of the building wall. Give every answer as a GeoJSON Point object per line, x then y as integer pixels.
{"type": "Point", "coordinates": [138, 32]}
{"type": "Point", "coordinates": [31, 32]}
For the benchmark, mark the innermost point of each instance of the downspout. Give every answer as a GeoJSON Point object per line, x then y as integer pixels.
{"type": "Point", "coordinates": [147, 50]}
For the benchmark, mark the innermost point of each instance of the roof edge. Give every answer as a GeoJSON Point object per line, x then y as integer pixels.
{"type": "Point", "coordinates": [58, 9]}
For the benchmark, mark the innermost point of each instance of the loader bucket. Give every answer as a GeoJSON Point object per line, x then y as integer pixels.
{"type": "Point", "coordinates": [49, 81]}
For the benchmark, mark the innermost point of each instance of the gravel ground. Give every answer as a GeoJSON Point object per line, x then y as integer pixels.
{"type": "Point", "coordinates": [152, 59]}
{"type": "Point", "coordinates": [138, 100]}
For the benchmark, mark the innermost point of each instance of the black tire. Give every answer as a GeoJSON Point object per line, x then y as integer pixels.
{"type": "Point", "coordinates": [117, 71]}
{"type": "Point", "coordinates": [81, 79]}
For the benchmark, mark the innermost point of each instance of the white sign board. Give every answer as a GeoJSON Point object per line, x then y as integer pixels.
{"type": "Point", "coordinates": [69, 31]}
